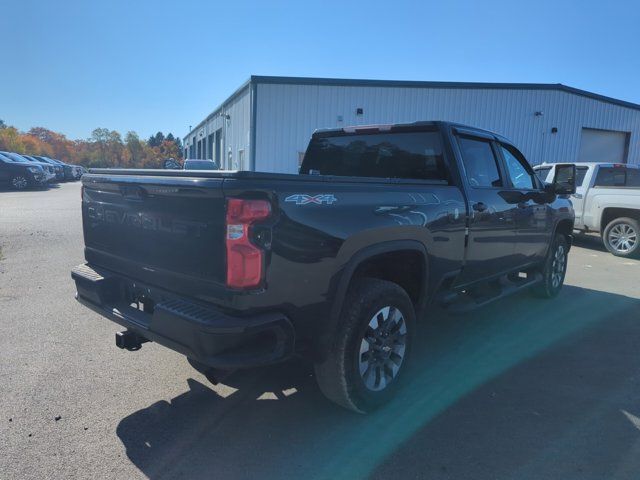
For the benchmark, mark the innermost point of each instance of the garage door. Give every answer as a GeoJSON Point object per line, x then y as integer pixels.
{"type": "Point", "coordinates": [603, 146]}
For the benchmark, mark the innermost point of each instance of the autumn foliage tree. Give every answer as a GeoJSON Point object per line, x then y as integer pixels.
{"type": "Point", "coordinates": [105, 148]}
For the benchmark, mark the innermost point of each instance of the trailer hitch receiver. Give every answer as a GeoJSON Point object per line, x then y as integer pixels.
{"type": "Point", "coordinates": [129, 340]}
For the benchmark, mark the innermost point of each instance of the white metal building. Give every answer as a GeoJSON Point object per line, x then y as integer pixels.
{"type": "Point", "coordinates": [266, 124]}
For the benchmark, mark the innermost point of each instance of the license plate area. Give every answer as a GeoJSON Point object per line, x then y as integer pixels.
{"type": "Point", "coordinates": [140, 297]}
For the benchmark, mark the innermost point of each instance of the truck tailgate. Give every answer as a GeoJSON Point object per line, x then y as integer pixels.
{"type": "Point", "coordinates": [166, 231]}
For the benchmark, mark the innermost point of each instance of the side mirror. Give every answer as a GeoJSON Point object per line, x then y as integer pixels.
{"type": "Point", "coordinates": [564, 179]}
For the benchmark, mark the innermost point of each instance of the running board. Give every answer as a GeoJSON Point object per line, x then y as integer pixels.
{"type": "Point", "coordinates": [462, 302]}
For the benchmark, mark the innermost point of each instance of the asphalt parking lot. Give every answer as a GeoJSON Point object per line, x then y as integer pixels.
{"type": "Point", "coordinates": [524, 388]}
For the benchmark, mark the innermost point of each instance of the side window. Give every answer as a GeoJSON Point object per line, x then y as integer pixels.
{"type": "Point", "coordinates": [633, 177]}
{"type": "Point", "coordinates": [479, 162]}
{"type": "Point", "coordinates": [543, 173]}
{"type": "Point", "coordinates": [581, 172]}
{"type": "Point", "coordinates": [611, 177]}
{"type": "Point", "coordinates": [518, 173]}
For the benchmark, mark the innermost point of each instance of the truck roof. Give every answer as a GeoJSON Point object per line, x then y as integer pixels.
{"type": "Point", "coordinates": [591, 164]}
{"type": "Point", "coordinates": [388, 126]}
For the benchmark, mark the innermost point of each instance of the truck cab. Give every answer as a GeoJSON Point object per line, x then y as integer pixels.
{"type": "Point", "coordinates": [606, 202]}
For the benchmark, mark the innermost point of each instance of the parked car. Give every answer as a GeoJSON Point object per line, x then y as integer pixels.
{"type": "Point", "coordinates": [607, 202]}
{"type": "Point", "coordinates": [49, 172]}
{"type": "Point", "coordinates": [59, 169]}
{"type": "Point", "coordinates": [50, 167]}
{"type": "Point", "coordinates": [20, 175]}
{"type": "Point", "coordinates": [71, 172]}
{"type": "Point", "coordinates": [239, 269]}
{"type": "Point", "coordinates": [194, 164]}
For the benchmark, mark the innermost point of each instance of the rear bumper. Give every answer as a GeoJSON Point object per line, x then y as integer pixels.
{"type": "Point", "coordinates": [202, 333]}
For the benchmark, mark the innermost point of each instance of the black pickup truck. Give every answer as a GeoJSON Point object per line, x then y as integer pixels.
{"type": "Point", "coordinates": [240, 269]}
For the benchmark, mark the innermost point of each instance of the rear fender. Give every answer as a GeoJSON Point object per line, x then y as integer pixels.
{"type": "Point", "coordinates": [343, 278]}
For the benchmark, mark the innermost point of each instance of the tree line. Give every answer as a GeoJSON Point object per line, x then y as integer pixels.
{"type": "Point", "coordinates": [105, 148]}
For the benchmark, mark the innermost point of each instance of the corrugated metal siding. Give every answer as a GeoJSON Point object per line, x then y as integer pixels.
{"type": "Point", "coordinates": [235, 131]}
{"type": "Point", "coordinates": [288, 114]}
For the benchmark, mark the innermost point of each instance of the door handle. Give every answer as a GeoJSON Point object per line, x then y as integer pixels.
{"type": "Point", "coordinates": [479, 207]}
{"type": "Point", "coordinates": [577, 195]}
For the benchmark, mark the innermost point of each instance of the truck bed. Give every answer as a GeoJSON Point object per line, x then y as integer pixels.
{"type": "Point", "coordinates": [167, 228]}
{"type": "Point", "coordinates": [247, 175]}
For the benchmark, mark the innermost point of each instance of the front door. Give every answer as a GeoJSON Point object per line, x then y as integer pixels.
{"type": "Point", "coordinates": [534, 219]}
{"type": "Point", "coordinates": [492, 234]}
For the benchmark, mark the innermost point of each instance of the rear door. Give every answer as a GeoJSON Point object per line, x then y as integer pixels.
{"type": "Point", "coordinates": [492, 232]}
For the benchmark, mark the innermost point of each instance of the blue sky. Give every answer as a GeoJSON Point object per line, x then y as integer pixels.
{"type": "Point", "coordinates": [72, 66]}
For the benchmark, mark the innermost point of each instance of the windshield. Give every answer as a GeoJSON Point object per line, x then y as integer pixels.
{"type": "Point", "coordinates": [542, 172]}
{"type": "Point", "coordinates": [200, 165]}
{"type": "Point", "coordinates": [15, 157]}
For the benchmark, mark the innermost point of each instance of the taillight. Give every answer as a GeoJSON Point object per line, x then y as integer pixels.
{"type": "Point", "coordinates": [244, 260]}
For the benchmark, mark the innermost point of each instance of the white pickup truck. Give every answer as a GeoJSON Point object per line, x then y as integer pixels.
{"type": "Point", "coordinates": [607, 201]}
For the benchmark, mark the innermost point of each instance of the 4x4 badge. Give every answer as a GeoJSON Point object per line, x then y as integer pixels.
{"type": "Point", "coordinates": [304, 199]}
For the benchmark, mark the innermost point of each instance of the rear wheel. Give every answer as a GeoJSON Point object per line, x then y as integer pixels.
{"type": "Point", "coordinates": [371, 347]}
{"type": "Point", "coordinates": [554, 269]}
{"type": "Point", "coordinates": [19, 182]}
{"type": "Point", "coordinates": [622, 237]}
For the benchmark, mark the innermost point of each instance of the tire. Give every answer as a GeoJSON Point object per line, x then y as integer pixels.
{"type": "Point", "coordinates": [554, 269]}
{"type": "Point", "coordinates": [19, 182]}
{"type": "Point", "coordinates": [368, 354]}
{"type": "Point", "coordinates": [622, 237]}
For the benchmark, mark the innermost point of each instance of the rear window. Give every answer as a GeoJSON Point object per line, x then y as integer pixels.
{"type": "Point", "coordinates": [411, 155]}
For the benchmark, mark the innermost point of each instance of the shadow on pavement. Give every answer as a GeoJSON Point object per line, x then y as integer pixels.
{"type": "Point", "coordinates": [524, 388]}
{"type": "Point", "coordinates": [591, 241]}
{"type": "Point", "coordinates": [50, 186]}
